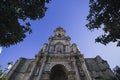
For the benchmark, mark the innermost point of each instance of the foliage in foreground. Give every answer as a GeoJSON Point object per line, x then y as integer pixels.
{"type": "Point", "coordinates": [11, 11]}
{"type": "Point", "coordinates": [102, 14]}
{"type": "Point", "coordinates": [106, 15]}
{"type": "Point", "coordinates": [116, 71]}
{"type": "Point", "coordinates": [4, 76]}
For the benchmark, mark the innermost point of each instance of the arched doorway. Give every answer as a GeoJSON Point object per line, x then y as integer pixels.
{"type": "Point", "coordinates": [58, 72]}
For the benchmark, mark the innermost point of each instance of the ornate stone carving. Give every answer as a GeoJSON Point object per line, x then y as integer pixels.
{"type": "Point", "coordinates": [67, 48]}
{"type": "Point", "coordinates": [45, 47]}
{"type": "Point", "coordinates": [60, 56]}
{"type": "Point", "coordinates": [51, 49]}
{"type": "Point", "coordinates": [74, 48]}
{"type": "Point", "coordinates": [59, 48]}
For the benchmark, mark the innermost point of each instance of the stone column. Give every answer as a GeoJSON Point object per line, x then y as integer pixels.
{"type": "Point", "coordinates": [37, 59]}
{"type": "Point", "coordinates": [40, 72]}
{"type": "Point", "coordinates": [71, 75]}
{"type": "Point", "coordinates": [87, 74]}
{"type": "Point", "coordinates": [13, 68]}
{"type": "Point", "coordinates": [76, 70]}
{"type": "Point", "coordinates": [32, 70]}
{"type": "Point", "coordinates": [42, 68]}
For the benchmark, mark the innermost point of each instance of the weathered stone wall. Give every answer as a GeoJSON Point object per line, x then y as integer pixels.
{"type": "Point", "coordinates": [21, 69]}
{"type": "Point", "coordinates": [98, 68]}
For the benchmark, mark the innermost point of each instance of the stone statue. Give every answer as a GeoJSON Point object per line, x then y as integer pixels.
{"type": "Point", "coordinates": [74, 48]}
{"type": "Point", "coordinates": [45, 47]}
{"type": "Point", "coordinates": [59, 48]}
{"type": "Point", "coordinates": [51, 48]}
{"type": "Point", "coordinates": [67, 48]}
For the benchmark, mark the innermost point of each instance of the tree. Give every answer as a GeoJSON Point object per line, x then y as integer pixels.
{"type": "Point", "coordinates": [116, 71]}
{"type": "Point", "coordinates": [105, 15]}
{"type": "Point", "coordinates": [11, 11]}
{"type": "Point", "coordinates": [4, 76]}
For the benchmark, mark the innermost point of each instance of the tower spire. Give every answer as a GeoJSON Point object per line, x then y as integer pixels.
{"type": "Point", "coordinates": [59, 34]}
{"type": "Point", "coordinates": [59, 31]}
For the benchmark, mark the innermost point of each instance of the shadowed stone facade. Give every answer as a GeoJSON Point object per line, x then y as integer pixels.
{"type": "Point", "coordinates": [60, 60]}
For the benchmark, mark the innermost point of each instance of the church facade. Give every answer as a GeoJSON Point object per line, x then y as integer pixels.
{"type": "Point", "coordinates": [60, 60]}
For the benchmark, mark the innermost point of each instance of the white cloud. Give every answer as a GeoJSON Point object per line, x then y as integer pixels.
{"type": "Point", "coordinates": [0, 50]}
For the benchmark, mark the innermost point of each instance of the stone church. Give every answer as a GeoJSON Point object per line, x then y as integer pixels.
{"type": "Point", "coordinates": [60, 60]}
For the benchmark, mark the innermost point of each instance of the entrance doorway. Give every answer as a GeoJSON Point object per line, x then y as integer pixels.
{"type": "Point", "coordinates": [58, 72]}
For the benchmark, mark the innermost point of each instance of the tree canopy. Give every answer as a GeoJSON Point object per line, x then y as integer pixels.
{"type": "Point", "coordinates": [11, 11]}
{"type": "Point", "coordinates": [105, 15]}
{"type": "Point", "coordinates": [116, 71]}
{"type": "Point", "coordinates": [2, 77]}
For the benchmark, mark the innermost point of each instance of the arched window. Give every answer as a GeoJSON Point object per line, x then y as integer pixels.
{"type": "Point", "coordinates": [58, 72]}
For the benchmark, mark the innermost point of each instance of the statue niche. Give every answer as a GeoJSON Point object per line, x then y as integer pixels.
{"type": "Point", "coordinates": [67, 48]}
{"type": "Point", "coordinates": [51, 49]}
{"type": "Point", "coordinates": [59, 48]}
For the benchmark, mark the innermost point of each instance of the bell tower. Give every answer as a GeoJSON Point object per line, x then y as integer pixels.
{"type": "Point", "coordinates": [59, 43]}
{"type": "Point", "coordinates": [60, 60]}
{"type": "Point", "coordinates": [59, 32]}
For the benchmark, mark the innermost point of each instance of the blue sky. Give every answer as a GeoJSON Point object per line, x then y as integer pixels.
{"type": "Point", "coordinates": [71, 15]}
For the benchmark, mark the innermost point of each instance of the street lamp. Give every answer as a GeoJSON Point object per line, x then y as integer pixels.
{"type": "Point", "coordinates": [9, 65]}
